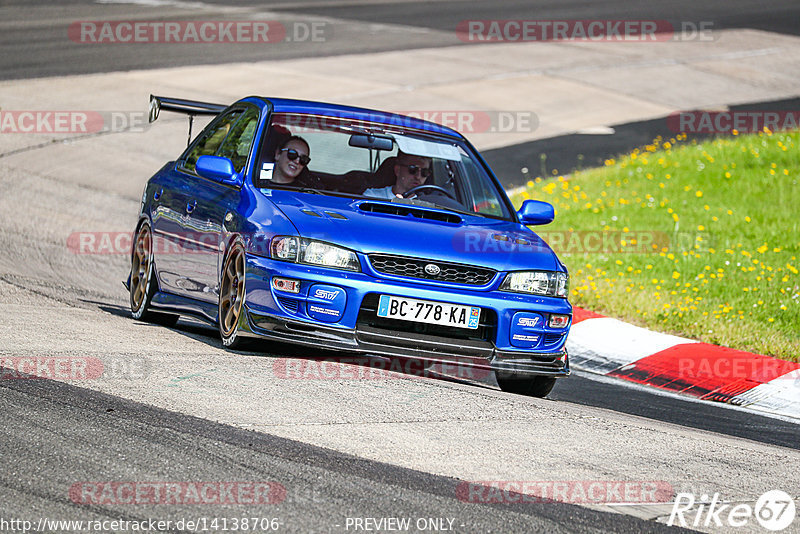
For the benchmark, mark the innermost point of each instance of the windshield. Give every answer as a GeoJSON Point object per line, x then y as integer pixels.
{"type": "Point", "coordinates": [345, 157]}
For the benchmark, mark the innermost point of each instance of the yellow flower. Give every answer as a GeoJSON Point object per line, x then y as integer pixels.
{"type": "Point", "coordinates": [676, 275]}
{"type": "Point", "coordinates": [698, 194]}
{"type": "Point", "coordinates": [701, 227]}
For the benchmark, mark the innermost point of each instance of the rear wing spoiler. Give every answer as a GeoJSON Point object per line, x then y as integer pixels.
{"type": "Point", "coordinates": [179, 105]}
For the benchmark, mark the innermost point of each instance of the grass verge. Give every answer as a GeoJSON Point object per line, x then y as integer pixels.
{"type": "Point", "coordinates": [698, 239]}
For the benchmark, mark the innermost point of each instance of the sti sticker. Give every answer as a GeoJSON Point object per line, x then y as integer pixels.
{"type": "Point", "coordinates": [326, 303]}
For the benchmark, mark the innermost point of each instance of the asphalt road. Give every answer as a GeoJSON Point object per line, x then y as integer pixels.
{"type": "Point", "coordinates": [342, 448]}
{"type": "Point", "coordinates": [570, 152]}
{"type": "Point", "coordinates": [35, 40]}
{"type": "Point", "coordinates": [95, 438]}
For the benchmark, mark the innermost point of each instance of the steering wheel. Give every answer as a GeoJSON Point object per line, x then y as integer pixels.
{"type": "Point", "coordinates": [415, 190]}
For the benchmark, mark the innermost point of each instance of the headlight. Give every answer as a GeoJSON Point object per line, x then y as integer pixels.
{"type": "Point", "coordinates": [546, 283]}
{"type": "Point", "coordinates": [309, 251]}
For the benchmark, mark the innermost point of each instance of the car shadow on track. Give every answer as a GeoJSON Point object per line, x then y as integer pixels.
{"type": "Point", "coordinates": [323, 363]}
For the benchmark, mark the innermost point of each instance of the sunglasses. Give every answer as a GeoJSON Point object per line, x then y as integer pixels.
{"type": "Point", "coordinates": [293, 154]}
{"type": "Point", "coordinates": [414, 169]}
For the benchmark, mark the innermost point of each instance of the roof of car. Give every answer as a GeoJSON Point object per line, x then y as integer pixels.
{"type": "Point", "coordinates": [288, 105]}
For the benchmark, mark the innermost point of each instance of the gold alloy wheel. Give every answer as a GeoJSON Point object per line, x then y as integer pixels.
{"type": "Point", "coordinates": [231, 295]}
{"type": "Point", "coordinates": [141, 267]}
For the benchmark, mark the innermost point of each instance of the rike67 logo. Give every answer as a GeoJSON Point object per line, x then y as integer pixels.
{"type": "Point", "coordinates": [774, 510]}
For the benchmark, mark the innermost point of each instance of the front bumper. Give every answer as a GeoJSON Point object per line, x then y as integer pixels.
{"type": "Point", "coordinates": [285, 317]}
{"type": "Point", "coordinates": [367, 340]}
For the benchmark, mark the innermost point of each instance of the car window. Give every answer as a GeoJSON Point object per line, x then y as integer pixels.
{"type": "Point", "coordinates": [236, 146]}
{"type": "Point", "coordinates": [211, 139]}
{"type": "Point", "coordinates": [341, 164]}
{"type": "Point", "coordinates": [482, 192]}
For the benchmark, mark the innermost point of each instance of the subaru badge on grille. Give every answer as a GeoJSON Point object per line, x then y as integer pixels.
{"type": "Point", "coordinates": [432, 269]}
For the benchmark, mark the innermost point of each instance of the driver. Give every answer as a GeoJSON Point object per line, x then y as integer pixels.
{"type": "Point", "coordinates": [410, 171]}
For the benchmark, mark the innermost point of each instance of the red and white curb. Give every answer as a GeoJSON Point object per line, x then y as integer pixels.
{"type": "Point", "coordinates": [610, 347]}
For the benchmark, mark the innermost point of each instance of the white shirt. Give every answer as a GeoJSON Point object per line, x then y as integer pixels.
{"type": "Point", "coordinates": [380, 192]}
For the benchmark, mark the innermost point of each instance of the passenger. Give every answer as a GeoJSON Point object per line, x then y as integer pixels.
{"type": "Point", "coordinates": [291, 164]}
{"type": "Point", "coordinates": [410, 171]}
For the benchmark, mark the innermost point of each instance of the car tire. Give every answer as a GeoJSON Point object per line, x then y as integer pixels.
{"type": "Point", "coordinates": [536, 386]}
{"type": "Point", "coordinates": [143, 285]}
{"type": "Point", "coordinates": [231, 296]}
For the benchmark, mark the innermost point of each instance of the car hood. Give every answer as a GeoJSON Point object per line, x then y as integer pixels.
{"type": "Point", "coordinates": [378, 226]}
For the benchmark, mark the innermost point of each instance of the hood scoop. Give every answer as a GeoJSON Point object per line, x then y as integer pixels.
{"type": "Point", "coordinates": [402, 210]}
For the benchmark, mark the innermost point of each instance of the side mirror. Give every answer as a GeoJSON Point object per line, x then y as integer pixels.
{"type": "Point", "coordinates": [536, 212]}
{"type": "Point", "coordinates": [216, 168]}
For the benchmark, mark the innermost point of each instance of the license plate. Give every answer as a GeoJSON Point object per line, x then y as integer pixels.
{"type": "Point", "coordinates": [426, 311]}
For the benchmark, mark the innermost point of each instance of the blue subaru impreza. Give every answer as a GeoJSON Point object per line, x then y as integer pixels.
{"type": "Point", "coordinates": [351, 230]}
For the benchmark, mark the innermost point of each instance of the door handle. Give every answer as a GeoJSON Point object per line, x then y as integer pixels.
{"type": "Point", "coordinates": [157, 193]}
{"type": "Point", "coordinates": [190, 206]}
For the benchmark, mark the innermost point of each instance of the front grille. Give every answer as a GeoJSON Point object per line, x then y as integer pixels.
{"type": "Point", "coordinates": [551, 339]}
{"type": "Point", "coordinates": [290, 304]}
{"type": "Point", "coordinates": [415, 268]}
{"type": "Point", "coordinates": [368, 316]}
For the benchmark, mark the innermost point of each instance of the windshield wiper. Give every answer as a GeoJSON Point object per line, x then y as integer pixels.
{"type": "Point", "coordinates": [425, 204]}
{"type": "Point", "coordinates": [310, 190]}
{"type": "Point", "coordinates": [302, 189]}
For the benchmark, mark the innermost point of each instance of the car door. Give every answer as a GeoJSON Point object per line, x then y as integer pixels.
{"type": "Point", "coordinates": [214, 203]}
{"type": "Point", "coordinates": [178, 250]}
